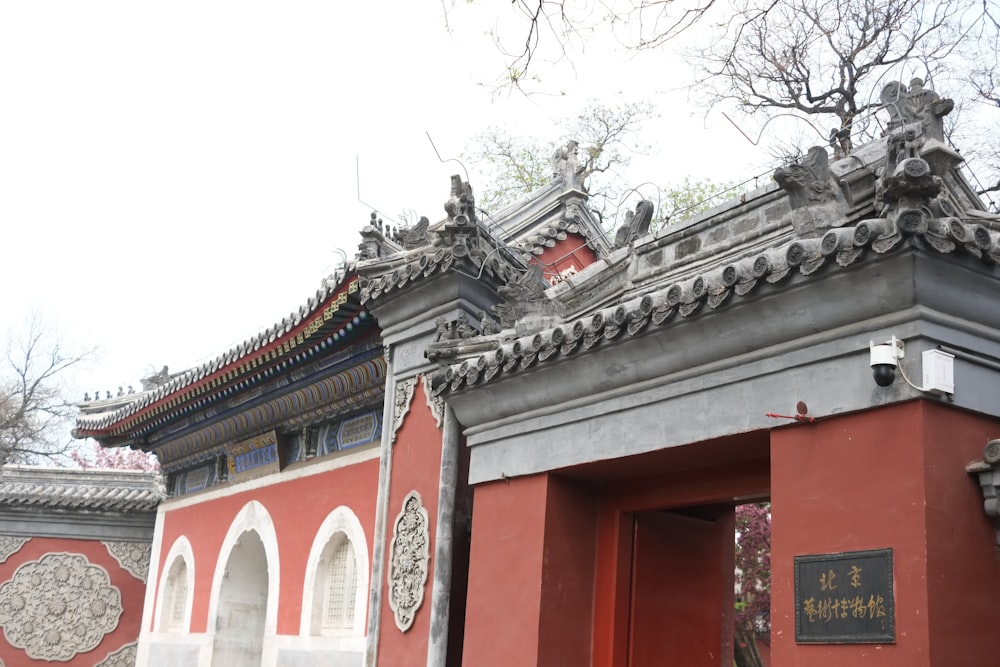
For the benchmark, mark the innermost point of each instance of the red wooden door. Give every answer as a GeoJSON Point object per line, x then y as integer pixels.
{"type": "Point", "coordinates": [680, 610]}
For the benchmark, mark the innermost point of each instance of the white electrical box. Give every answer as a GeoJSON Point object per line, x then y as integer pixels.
{"type": "Point", "coordinates": [939, 372]}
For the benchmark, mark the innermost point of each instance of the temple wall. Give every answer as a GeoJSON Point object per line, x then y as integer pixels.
{"type": "Point", "coordinates": [294, 513]}
{"type": "Point", "coordinates": [892, 477]}
{"type": "Point", "coordinates": [69, 600]}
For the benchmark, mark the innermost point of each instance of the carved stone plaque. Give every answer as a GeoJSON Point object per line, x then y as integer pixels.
{"type": "Point", "coordinates": [845, 598]}
{"type": "Point", "coordinates": [409, 556]}
{"type": "Point", "coordinates": [58, 606]}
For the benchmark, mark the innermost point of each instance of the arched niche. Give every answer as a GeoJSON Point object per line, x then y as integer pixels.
{"type": "Point", "coordinates": [176, 593]}
{"type": "Point", "coordinates": [335, 590]}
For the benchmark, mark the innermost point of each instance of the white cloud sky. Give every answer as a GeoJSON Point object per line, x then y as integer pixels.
{"type": "Point", "coordinates": [176, 176]}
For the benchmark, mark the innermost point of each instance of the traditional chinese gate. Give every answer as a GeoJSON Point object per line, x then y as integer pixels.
{"type": "Point", "coordinates": [665, 571]}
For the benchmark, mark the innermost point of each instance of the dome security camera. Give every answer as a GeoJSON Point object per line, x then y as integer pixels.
{"type": "Point", "coordinates": [884, 359]}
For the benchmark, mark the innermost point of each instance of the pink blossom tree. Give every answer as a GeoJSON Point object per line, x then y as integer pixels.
{"type": "Point", "coordinates": [753, 560]}
{"type": "Point", "coordinates": [115, 458]}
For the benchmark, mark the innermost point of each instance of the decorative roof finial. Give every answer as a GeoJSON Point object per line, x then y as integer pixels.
{"type": "Point", "coordinates": [916, 104]}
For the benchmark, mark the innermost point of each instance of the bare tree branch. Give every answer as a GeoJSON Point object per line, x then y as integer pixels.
{"type": "Point", "coordinates": [35, 416]}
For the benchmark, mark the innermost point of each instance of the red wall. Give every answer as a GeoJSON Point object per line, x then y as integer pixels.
{"type": "Point", "coordinates": [297, 507]}
{"type": "Point", "coordinates": [505, 573]}
{"type": "Point", "coordinates": [890, 477]}
{"type": "Point", "coordinates": [416, 466]}
{"type": "Point", "coordinates": [531, 577]}
{"type": "Point", "coordinates": [963, 568]}
{"type": "Point", "coordinates": [568, 562]}
{"type": "Point", "coordinates": [132, 591]}
{"type": "Point", "coordinates": [573, 251]}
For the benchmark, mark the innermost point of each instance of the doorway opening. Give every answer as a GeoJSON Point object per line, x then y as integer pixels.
{"type": "Point", "coordinates": [242, 606]}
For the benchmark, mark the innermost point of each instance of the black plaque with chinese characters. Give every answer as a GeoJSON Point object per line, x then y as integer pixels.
{"type": "Point", "coordinates": [845, 598]}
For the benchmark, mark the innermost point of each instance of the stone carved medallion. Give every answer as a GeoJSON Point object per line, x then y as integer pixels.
{"type": "Point", "coordinates": [123, 657]}
{"type": "Point", "coordinates": [401, 404]}
{"type": "Point", "coordinates": [58, 606]}
{"type": "Point", "coordinates": [409, 556]}
{"type": "Point", "coordinates": [10, 546]}
{"type": "Point", "coordinates": [435, 403]}
{"type": "Point", "coordinates": [132, 556]}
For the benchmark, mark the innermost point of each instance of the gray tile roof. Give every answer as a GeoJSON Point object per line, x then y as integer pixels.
{"type": "Point", "coordinates": [69, 489]}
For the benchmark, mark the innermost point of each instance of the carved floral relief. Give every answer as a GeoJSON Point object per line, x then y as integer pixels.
{"type": "Point", "coordinates": [435, 403]}
{"type": "Point", "coordinates": [123, 657]}
{"type": "Point", "coordinates": [132, 556]}
{"type": "Point", "coordinates": [10, 546]}
{"type": "Point", "coordinates": [58, 606]}
{"type": "Point", "coordinates": [401, 404]}
{"type": "Point", "coordinates": [409, 556]}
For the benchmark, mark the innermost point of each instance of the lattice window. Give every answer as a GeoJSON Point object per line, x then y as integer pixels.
{"type": "Point", "coordinates": [341, 585]}
{"type": "Point", "coordinates": [175, 600]}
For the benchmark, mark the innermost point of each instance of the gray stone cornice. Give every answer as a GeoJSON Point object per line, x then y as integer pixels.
{"type": "Point", "coordinates": [728, 285]}
{"type": "Point", "coordinates": [60, 488]}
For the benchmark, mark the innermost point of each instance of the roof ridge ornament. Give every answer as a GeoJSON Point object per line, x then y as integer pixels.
{"type": "Point", "coordinates": [415, 237]}
{"type": "Point", "coordinates": [566, 165]}
{"type": "Point", "coordinates": [524, 305]}
{"type": "Point", "coordinates": [461, 202]}
{"type": "Point", "coordinates": [636, 224]}
{"type": "Point", "coordinates": [810, 193]}
{"type": "Point", "coordinates": [916, 104]}
{"type": "Point", "coordinates": [378, 240]}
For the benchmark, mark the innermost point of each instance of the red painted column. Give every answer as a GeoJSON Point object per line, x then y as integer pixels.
{"type": "Point", "coordinates": [890, 477]}
{"type": "Point", "coordinates": [416, 466]}
{"type": "Point", "coordinates": [531, 578]}
{"type": "Point", "coordinates": [963, 571]}
{"type": "Point", "coordinates": [568, 569]}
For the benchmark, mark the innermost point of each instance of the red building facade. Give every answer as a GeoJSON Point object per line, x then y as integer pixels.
{"type": "Point", "coordinates": [520, 443]}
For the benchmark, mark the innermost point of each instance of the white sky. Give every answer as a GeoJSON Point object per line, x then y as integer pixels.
{"type": "Point", "coordinates": [176, 176]}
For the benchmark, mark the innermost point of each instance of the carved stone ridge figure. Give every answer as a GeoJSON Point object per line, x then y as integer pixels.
{"type": "Point", "coordinates": [417, 236]}
{"type": "Point", "coordinates": [155, 380]}
{"type": "Point", "coordinates": [445, 330]}
{"type": "Point", "coordinates": [566, 163]}
{"type": "Point", "coordinates": [461, 201]}
{"type": "Point", "coordinates": [807, 182]}
{"type": "Point", "coordinates": [636, 224]}
{"type": "Point", "coordinates": [916, 105]}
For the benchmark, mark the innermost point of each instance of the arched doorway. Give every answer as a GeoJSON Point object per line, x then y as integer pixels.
{"type": "Point", "coordinates": [242, 604]}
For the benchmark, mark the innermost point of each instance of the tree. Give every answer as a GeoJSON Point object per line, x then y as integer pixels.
{"type": "Point", "coordinates": [985, 80]}
{"type": "Point", "coordinates": [513, 166]}
{"type": "Point", "coordinates": [115, 458]}
{"type": "Point", "coordinates": [812, 59]}
{"type": "Point", "coordinates": [678, 202]}
{"type": "Point", "coordinates": [753, 563]}
{"type": "Point", "coordinates": [35, 417]}
{"type": "Point", "coordinates": [821, 58]}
